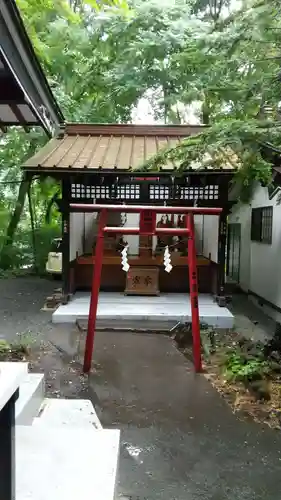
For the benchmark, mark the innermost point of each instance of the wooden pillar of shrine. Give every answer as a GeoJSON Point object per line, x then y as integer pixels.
{"type": "Point", "coordinates": [65, 239]}
{"type": "Point", "coordinates": [222, 241]}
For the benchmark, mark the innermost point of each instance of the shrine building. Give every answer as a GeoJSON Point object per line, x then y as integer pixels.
{"type": "Point", "coordinates": [103, 164]}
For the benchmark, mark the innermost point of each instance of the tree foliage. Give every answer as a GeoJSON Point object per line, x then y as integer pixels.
{"type": "Point", "coordinates": [235, 74]}
{"type": "Point", "coordinates": [67, 40]}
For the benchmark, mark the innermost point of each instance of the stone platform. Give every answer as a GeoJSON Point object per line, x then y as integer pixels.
{"type": "Point", "coordinates": [56, 463]}
{"type": "Point", "coordinates": [116, 310]}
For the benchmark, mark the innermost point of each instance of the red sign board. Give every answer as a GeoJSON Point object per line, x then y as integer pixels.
{"type": "Point", "coordinates": [147, 222]}
{"type": "Point", "coordinates": [140, 179]}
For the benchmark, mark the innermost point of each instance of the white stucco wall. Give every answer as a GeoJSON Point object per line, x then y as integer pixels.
{"type": "Point", "coordinates": [199, 228]}
{"type": "Point", "coordinates": [81, 224]}
{"type": "Point", "coordinates": [132, 220]}
{"type": "Point", "coordinates": [76, 225]}
{"type": "Point", "coordinates": [260, 263]}
{"type": "Point", "coordinates": [266, 259]}
{"type": "Point", "coordinates": [91, 228]}
{"type": "Point", "coordinates": [210, 237]}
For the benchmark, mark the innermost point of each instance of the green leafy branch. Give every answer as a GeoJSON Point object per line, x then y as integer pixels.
{"type": "Point", "coordinates": [240, 367]}
{"type": "Point", "coordinates": [231, 144]}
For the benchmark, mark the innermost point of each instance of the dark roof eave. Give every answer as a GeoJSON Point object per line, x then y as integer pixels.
{"type": "Point", "coordinates": [19, 55]}
{"type": "Point", "coordinates": [131, 129]}
{"type": "Point", "coordinates": [101, 171]}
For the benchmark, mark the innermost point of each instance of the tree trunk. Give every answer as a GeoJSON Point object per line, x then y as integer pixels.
{"type": "Point", "coordinates": [6, 254]}
{"type": "Point", "coordinates": [33, 235]}
{"type": "Point", "coordinates": [206, 111]}
{"type": "Point", "coordinates": [166, 107]}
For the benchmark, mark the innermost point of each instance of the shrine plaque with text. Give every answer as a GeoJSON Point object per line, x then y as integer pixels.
{"type": "Point", "coordinates": [142, 281]}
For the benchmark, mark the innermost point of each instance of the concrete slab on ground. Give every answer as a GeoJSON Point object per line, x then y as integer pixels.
{"type": "Point", "coordinates": [11, 376]}
{"type": "Point", "coordinates": [68, 412]}
{"type": "Point", "coordinates": [31, 395]}
{"type": "Point", "coordinates": [179, 439]}
{"type": "Point", "coordinates": [66, 463]}
{"type": "Point", "coordinates": [116, 310]}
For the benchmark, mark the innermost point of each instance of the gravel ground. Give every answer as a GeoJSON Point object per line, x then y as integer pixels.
{"type": "Point", "coordinates": [21, 300]}
{"type": "Point", "coordinates": [54, 348]}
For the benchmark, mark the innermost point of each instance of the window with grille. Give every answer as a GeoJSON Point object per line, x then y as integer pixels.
{"type": "Point", "coordinates": [199, 193]}
{"type": "Point", "coordinates": [261, 225]}
{"type": "Point", "coordinates": [124, 192]}
{"type": "Point", "coordinates": [89, 192]}
{"type": "Point", "coordinates": [158, 192]}
{"type": "Point", "coordinates": [128, 192]}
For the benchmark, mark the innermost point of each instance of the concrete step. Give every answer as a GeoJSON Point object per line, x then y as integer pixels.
{"type": "Point", "coordinates": [129, 324]}
{"type": "Point", "coordinates": [31, 395]}
{"type": "Point", "coordinates": [117, 311]}
{"type": "Point", "coordinates": [66, 463]}
{"type": "Point", "coordinates": [67, 412]}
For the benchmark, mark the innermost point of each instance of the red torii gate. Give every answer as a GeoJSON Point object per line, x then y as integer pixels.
{"type": "Point", "coordinates": [147, 227]}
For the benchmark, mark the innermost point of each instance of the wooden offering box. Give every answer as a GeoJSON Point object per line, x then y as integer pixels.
{"type": "Point", "coordinates": [142, 281]}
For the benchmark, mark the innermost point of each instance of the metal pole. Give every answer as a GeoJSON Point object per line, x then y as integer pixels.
{"type": "Point", "coordinates": [193, 286]}
{"type": "Point", "coordinates": [97, 268]}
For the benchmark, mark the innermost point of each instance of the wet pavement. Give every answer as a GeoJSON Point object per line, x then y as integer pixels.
{"type": "Point", "coordinates": [180, 440]}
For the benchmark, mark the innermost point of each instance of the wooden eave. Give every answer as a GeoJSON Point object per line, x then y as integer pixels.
{"type": "Point", "coordinates": [25, 99]}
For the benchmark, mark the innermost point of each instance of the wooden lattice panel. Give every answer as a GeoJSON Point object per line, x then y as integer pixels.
{"type": "Point", "coordinates": [199, 193]}
{"type": "Point", "coordinates": [101, 192]}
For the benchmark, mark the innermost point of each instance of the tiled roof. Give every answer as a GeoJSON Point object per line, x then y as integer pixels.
{"type": "Point", "coordinates": [108, 147]}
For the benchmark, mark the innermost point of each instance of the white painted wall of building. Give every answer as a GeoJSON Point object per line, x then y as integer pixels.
{"type": "Point", "coordinates": [210, 237]}
{"type": "Point", "coordinates": [91, 229]}
{"type": "Point", "coordinates": [260, 263]}
{"type": "Point", "coordinates": [266, 259]}
{"type": "Point", "coordinates": [76, 225]}
{"type": "Point", "coordinates": [80, 222]}
{"type": "Point", "coordinates": [132, 220]}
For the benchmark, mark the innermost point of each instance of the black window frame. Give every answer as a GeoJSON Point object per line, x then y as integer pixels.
{"type": "Point", "coordinates": [261, 224]}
